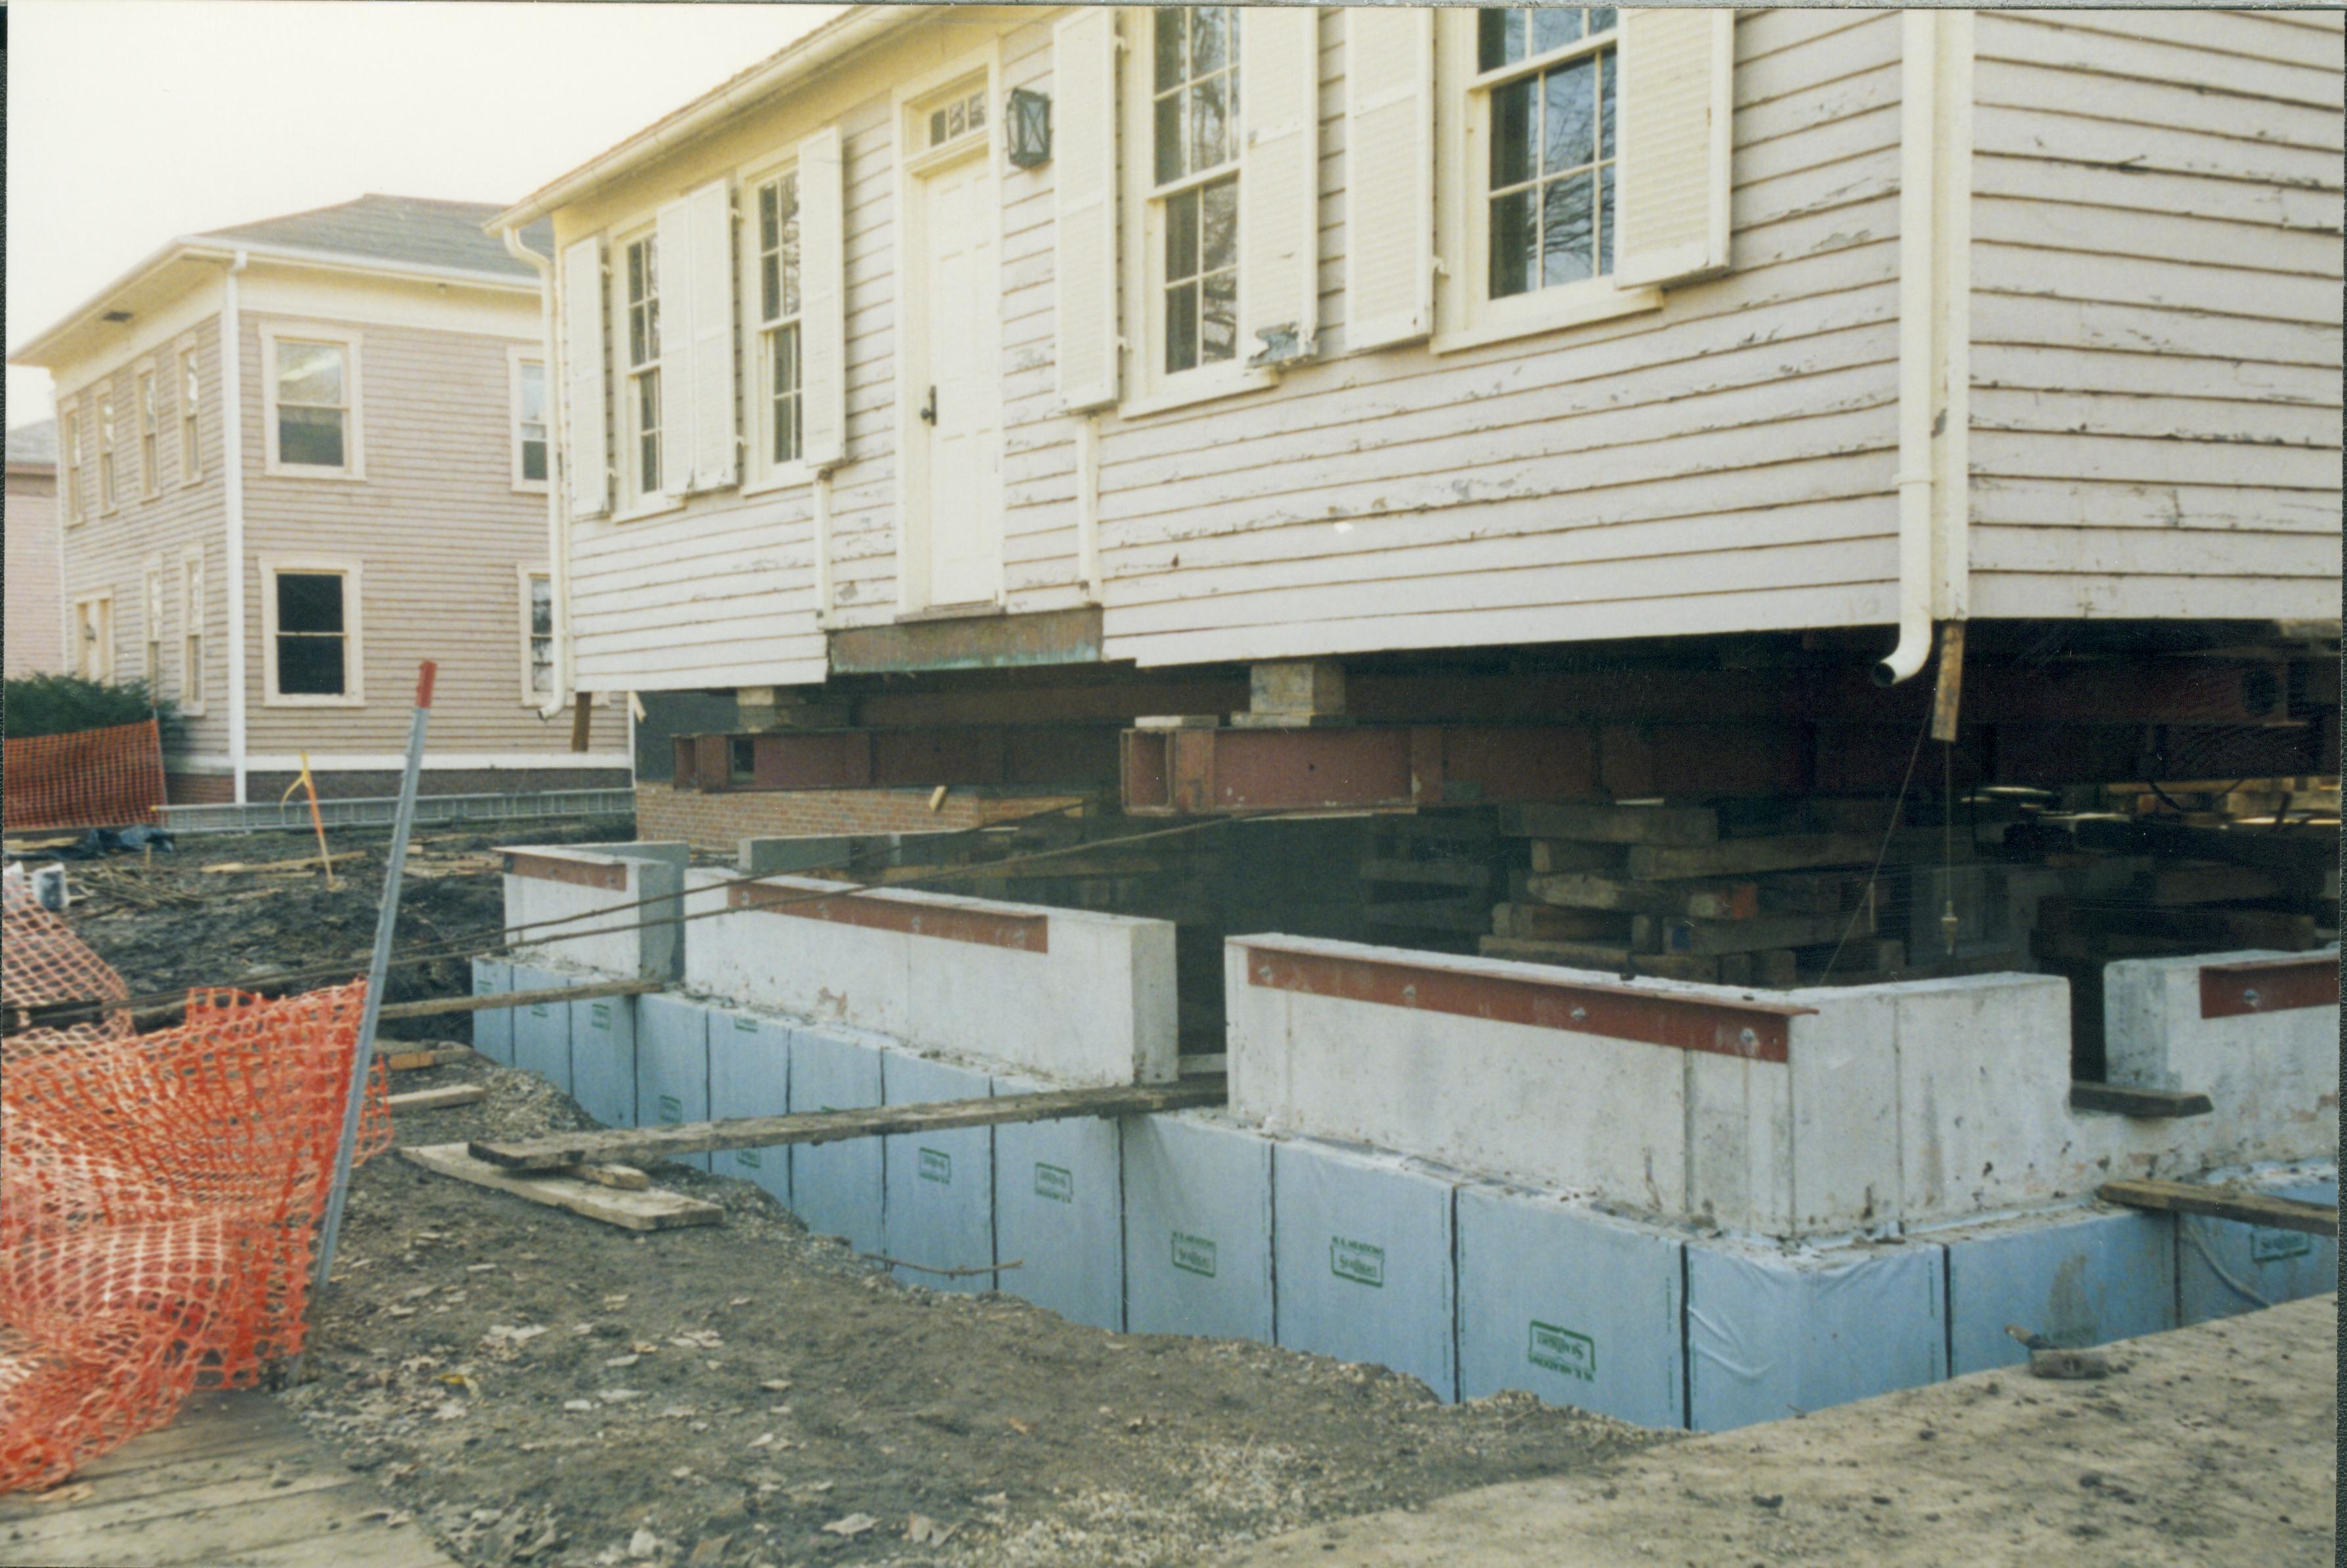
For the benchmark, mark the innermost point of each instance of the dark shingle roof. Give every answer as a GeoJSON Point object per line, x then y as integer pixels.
{"type": "Point", "coordinates": [412, 230]}
{"type": "Point", "coordinates": [34, 443]}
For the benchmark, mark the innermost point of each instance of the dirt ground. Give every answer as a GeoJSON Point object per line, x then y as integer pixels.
{"type": "Point", "coordinates": [2213, 1445]}
{"type": "Point", "coordinates": [533, 1387]}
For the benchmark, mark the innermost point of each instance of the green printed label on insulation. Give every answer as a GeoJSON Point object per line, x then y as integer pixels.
{"type": "Point", "coordinates": [746, 1025]}
{"type": "Point", "coordinates": [746, 1157]}
{"type": "Point", "coordinates": [937, 1165]}
{"type": "Point", "coordinates": [1356, 1261]}
{"type": "Point", "coordinates": [1563, 1350]}
{"type": "Point", "coordinates": [1054, 1182]}
{"type": "Point", "coordinates": [2273, 1246]}
{"type": "Point", "coordinates": [600, 1014]}
{"type": "Point", "coordinates": [1194, 1254]}
{"type": "Point", "coordinates": [671, 1109]}
{"type": "Point", "coordinates": [537, 1009]}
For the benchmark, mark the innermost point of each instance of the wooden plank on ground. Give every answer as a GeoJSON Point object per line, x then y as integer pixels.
{"type": "Point", "coordinates": [2223, 1204]}
{"type": "Point", "coordinates": [2125, 1100]}
{"type": "Point", "coordinates": [431, 1056]}
{"type": "Point", "coordinates": [625, 1177]}
{"type": "Point", "coordinates": [276, 868]}
{"type": "Point", "coordinates": [439, 1005]}
{"type": "Point", "coordinates": [440, 1098]}
{"type": "Point", "coordinates": [556, 1150]}
{"type": "Point", "coordinates": [649, 1210]}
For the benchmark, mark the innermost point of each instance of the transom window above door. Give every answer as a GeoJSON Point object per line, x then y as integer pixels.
{"type": "Point", "coordinates": [963, 117]}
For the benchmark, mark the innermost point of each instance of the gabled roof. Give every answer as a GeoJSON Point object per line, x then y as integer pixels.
{"type": "Point", "coordinates": [34, 445]}
{"type": "Point", "coordinates": [413, 229]}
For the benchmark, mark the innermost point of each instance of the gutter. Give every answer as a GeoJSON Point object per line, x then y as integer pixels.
{"type": "Point", "coordinates": [557, 537]}
{"type": "Point", "coordinates": [1934, 333]}
{"type": "Point", "coordinates": [820, 49]}
{"type": "Point", "coordinates": [233, 503]}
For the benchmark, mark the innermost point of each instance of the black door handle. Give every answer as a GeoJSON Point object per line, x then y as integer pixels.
{"type": "Point", "coordinates": [929, 412]}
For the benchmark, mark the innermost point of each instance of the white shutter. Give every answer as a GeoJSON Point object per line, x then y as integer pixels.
{"type": "Point", "coordinates": [1279, 182]}
{"type": "Point", "coordinates": [711, 277]}
{"type": "Point", "coordinates": [1390, 174]}
{"type": "Point", "coordinates": [1677, 87]}
{"type": "Point", "coordinates": [1083, 76]}
{"type": "Point", "coordinates": [823, 301]}
{"type": "Point", "coordinates": [672, 234]}
{"type": "Point", "coordinates": [586, 460]}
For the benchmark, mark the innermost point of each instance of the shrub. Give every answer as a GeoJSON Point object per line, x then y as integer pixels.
{"type": "Point", "coordinates": [61, 704]}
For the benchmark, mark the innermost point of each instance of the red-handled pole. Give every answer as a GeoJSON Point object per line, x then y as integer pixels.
{"type": "Point", "coordinates": [386, 919]}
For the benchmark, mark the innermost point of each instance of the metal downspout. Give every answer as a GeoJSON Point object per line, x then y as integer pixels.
{"type": "Point", "coordinates": [232, 506]}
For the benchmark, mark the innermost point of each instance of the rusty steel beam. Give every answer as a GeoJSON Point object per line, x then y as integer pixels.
{"type": "Point", "coordinates": [965, 754]}
{"type": "Point", "coordinates": [2267, 985]}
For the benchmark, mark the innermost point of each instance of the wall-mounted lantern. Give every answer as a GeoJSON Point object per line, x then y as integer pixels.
{"type": "Point", "coordinates": [1030, 120]}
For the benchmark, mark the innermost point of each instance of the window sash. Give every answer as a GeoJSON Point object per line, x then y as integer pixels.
{"type": "Point", "coordinates": [73, 466]}
{"type": "Point", "coordinates": [106, 478]}
{"type": "Point", "coordinates": [1179, 85]}
{"type": "Point", "coordinates": [192, 640]}
{"type": "Point", "coordinates": [151, 454]}
{"type": "Point", "coordinates": [1479, 79]}
{"type": "Point", "coordinates": [319, 654]}
{"type": "Point", "coordinates": [538, 636]}
{"type": "Point", "coordinates": [1536, 185]}
{"type": "Point", "coordinates": [190, 402]}
{"type": "Point", "coordinates": [641, 304]}
{"type": "Point", "coordinates": [530, 435]}
{"type": "Point", "coordinates": [311, 419]}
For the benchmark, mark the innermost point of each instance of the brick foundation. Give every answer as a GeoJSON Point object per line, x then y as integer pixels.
{"type": "Point", "coordinates": [199, 789]}
{"type": "Point", "coordinates": [719, 822]}
{"type": "Point", "coordinates": [366, 785]}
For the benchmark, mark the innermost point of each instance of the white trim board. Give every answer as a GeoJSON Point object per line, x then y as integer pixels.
{"type": "Point", "coordinates": [370, 762]}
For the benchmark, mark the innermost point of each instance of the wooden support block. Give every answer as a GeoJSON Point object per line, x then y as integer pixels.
{"type": "Point", "coordinates": [1777, 967]}
{"type": "Point", "coordinates": [1551, 854]}
{"type": "Point", "coordinates": [1712, 900]}
{"type": "Point", "coordinates": [556, 1151]}
{"type": "Point", "coordinates": [1428, 873]}
{"type": "Point", "coordinates": [432, 1056]}
{"type": "Point", "coordinates": [1647, 824]}
{"type": "Point", "coordinates": [2170, 886]}
{"type": "Point", "coordinates": [1667, 934]}
{"type": "Point", "coordinates": [2122, 1099]}
{"type": "Point", "coordinates": [2223, 1204]}
{"type": "Point", "coordinates": [1612, 957]}
{"type": "Point", "coordinates": [626, 1178]}
{"type": "Point", "coordinates": [1743, 857]}
{"type": "Point", "coordinates": [648, 1210]}
{"type": "Point", "coordinates": [439, 1099]}
{"type": "Point", "coordinates": [1470, 914]}
{"type": "Point", "coordinates": [1542, 922]}
{"type": "Point", "coordinates": [2197, 929]}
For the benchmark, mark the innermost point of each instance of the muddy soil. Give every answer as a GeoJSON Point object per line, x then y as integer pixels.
{"type": "Point", "coordinates": [531, 1387]}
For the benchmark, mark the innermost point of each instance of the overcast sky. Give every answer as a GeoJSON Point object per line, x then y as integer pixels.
{"type": "Point", "coordinates": [132, 121]}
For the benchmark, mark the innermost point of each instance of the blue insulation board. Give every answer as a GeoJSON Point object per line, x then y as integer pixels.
{"type": "Point", "coordinates": [836, 1187]}
{"type": "Point", "coordinates": [2088, 1278]}
{"type": "Point", "coordinates": [1361, 1251]}
{"type": "Point", "coordinates": [1770, 1335]}
{"type": "Point", "coordinates": [1572, 1306]}
{"type": "Point", "coordinates": [750, 1075]}
{"type": "Point", "coordinates": [2223, 1267]}
{"type": "Point", "coordinates": [1059, 1213]}
{"type": "Point", "coordinates": [940, 1186]}
{"type": "Point", "coordinates": [1197, 1228]}
{"type": "Point", "coordinates": [541, 1032]}
{"type": "Point", "coordinates": [493, 1031]}
{"type": "Point", "coordinates": [670, 1083]}
{"type": "Point", "coordinates": [603, 1058]}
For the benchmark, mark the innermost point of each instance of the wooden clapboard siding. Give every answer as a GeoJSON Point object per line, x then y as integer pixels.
{"type": "Point", "coordinates": [34, 627]}
{"type": "Point", "coordinates": [2156, 314]}
{"type": "Point", "coordinates": [1723, 463]}
{"type": "Point", "coordinates": [436, 528]}
{"type": "Point", "coordinates": [108, 551]}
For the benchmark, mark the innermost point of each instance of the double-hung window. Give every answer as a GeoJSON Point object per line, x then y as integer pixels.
{"type": "Point", "coordinates": [150, 438]}
{"type": "Point", "coordinates": [1194, 182]}
{"type": "Point", "coordinates": [537, 637]}
{"type": "Point", "coordinates": [72, 445]}
{"type": "Point", "coordinates": [1546, 81]}
{"type": "Point", "coordinates": [93, 637]}
{"type": "Point", "coordinates": [311, 387]}
{"type": "Point", "coordinates": [780, 407]}
{"type": "Point", "coordinates": [311, 621]}
{"type": "Point", "coordinates": [528, 396]}
{"type": "Point", "coordinates": [640, 299]}
{"type": "Point", "coordinates": [150, 613]}
{"type": "Point", "coordinates": [106, 477]}
{"type": "Point", "coordinates": [192, 461]}
{"type": "Point", "coordinates": [191, 631]}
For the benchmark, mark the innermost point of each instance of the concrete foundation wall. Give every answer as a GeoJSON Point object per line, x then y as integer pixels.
{"type": "Point", "coordinates": [1088, 998]}
{"type": "Point", "coordinates": [1772, 1334]}
{"type": "Point", "coordinates": [939, 1186]}
{"type": "Point", "coordinates": [1058, 1213]}
{"type": "Point", "coordinates": [635, 939]}
{"type": "Point", "coordinates": [493, 1028]}
{"type": "Point", "coordinates": [750, 1075]}
{"type": "Point", "coordinates": [670, 1080]}
{"type": "Point", "coordinates": [1362, 1259]}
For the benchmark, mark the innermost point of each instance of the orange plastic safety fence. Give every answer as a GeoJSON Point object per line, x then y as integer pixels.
{"type": "Point", "coordinates": [91, 778]}
{"type": "Point", "coordinates": [43, 961]}
{"type": "Point", "coordinates": [159, 1199]}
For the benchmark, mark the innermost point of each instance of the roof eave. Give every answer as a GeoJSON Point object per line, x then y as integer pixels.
{"type": "Point", "coordinates": [826, 46]}
{"type": "Point", "coordinates": [33, 352]}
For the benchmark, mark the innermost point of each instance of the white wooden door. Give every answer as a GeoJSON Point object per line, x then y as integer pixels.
{"type": "Point", "coordinates": [959, 440]}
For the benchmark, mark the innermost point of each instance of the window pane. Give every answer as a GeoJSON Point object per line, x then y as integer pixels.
{"type": "Point", "coordinates": [1168, 138]}
{"type": "Point", "coordinates": [786, 360]}
{"type": "Point", "coordinates": [1169, 52]}
{"type": "Point", "coordinates": [1570, 117]}
{"type": "Point", "coordinates": [1513, 239]}
{"type": "Point", "coordinates": [1210, 39]}
{"type": "Point", "coordinates": [533, 392]}
{"type": "Point", "coordinates": [1210, 128]}
{"type": "Point", "coordinates": [1601, 19]}
{"type": "Point", "coordinates": [936, 127]}
{"type": "Point", "coordinates": [1513, 109]}
{"type": "Point", "coordinates": [310, 666]}
{"type": "Point", "coordinates": [1565, 230]}
{"type": "Point", "coordinates": [770, 286]}
{"type": "Point", "coordinates": [1606, 220]}
{"type": "Point", "coordinates": [310, 436]}
{"type": "Point", "coordinates": [309, 601]}
{"type": "Point", "coordinates": [770, 219]}
{"type": "Point", "coordinates": [309, 372]}
{"type": "Point", "coordinates": [541, 607]}
{"type": "Point", "coordinates": [533, 460]}
{"type": "Point", "coordinates": [1218, 325]}
{"type": "Point", "coordinates": [1182, 237]}
{"type": "Point", "coordinates": [635, 274]}
{"type": "Point", "coordinates": [1499, 37]}
{"type": "Point", "coordinates": [1554, 27]}
{"type": "Point", "coordinates": [1219, 238]}
{"type": "Point", "coordinates": [1605, 108]}
{"type": "Point", "coordinates": [1181, 327]}
{"type": "Point", "coordinates": [188, 384]}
